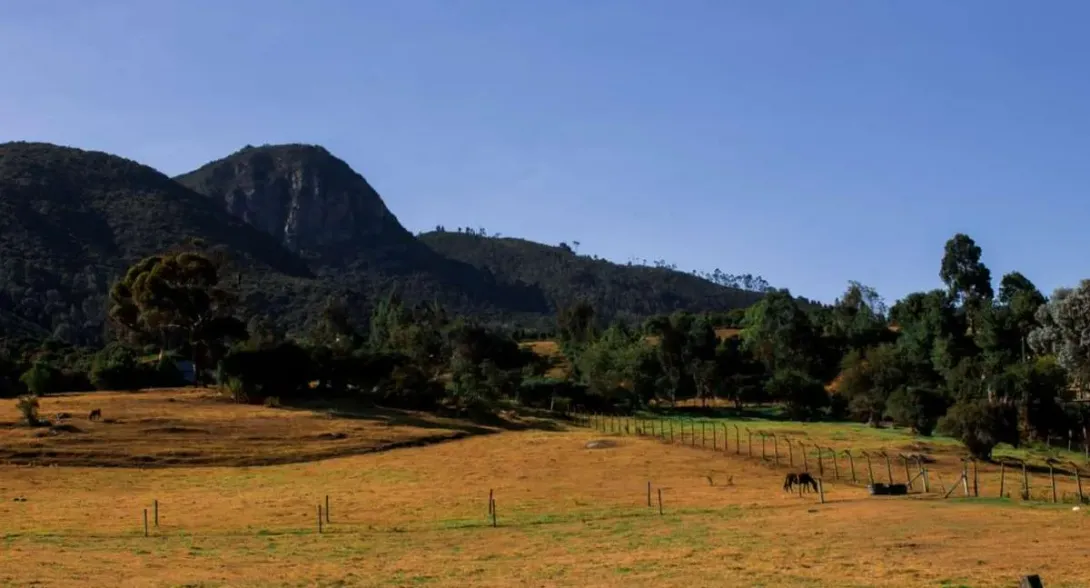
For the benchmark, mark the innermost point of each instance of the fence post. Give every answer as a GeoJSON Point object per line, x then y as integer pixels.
{"type": "Point", "coordinates": [737, 441]}
{"type": "Point", "coordinates": [1025, 482]}
{"type": "Point", "coordinates": [726, 436]}
{"type": "Point", "coordinates": [790, 452]}
{"type": "Point", "coordinates": [648, 493]}
{"type": "Point", "coordinates": [1002, 478]}
{"type": "Point", "coordinates": [1078, 480]}
{"type": "Point", "coordinates": [715, 438]}
{"type": "Point", "coordinates": [889, 468]}
{"type": "Point", "coordinates": [821, 490]}
{"type": "Point", "coordinates": [703, 434]}
{"type": "Point", "coordinates": [870, 468]}
{"type": "Point", "coordinates": [908, 476]}
{"type": "Point", "coordinates": [145, 522]}
{"type": "Point", "coordinates": [805, 460]}
{"type": "Point", "coordinates": [749, 441]}
{"type": "Point", "coordinates": [1052, 478]}
{"type": "Point", "coordinates": [836, 465]}
{"type": "Point", "coordinates": [926, 481]}
{"type": "Point", "coordinates": [763, 454]}
{"type": "Point", "coordinates": [776, 448]}
{"type": "Point", "coordinates": [851, 464]}
{"type": "Point", "coordinates": [821, 461]}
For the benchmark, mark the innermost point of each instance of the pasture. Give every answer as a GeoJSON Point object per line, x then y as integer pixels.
{"type": "Point", "coordinates": [418, 516]}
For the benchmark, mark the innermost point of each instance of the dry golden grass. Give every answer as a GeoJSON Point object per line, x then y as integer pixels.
{"type": "Point", "coordinates": [568, 516]}
{"type": "Point", "coordinates": [187, 426]}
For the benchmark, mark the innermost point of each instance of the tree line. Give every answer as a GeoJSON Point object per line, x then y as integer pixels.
{"type": "Point", "coordinates": [986, 365]}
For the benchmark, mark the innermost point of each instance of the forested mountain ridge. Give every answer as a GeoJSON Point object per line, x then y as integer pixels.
{"type": "Point", "coordinates": [299, 228]}
{"type": "Point", "coordinates": [616, 290]}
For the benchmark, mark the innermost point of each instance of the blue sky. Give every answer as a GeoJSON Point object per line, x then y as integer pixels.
{"type": "Point", "coordinates": [812, 142]}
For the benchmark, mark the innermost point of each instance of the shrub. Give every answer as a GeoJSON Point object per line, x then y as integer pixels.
{"type": "Point", "coordinates": [980, 426]}
{"type": "Point", "coordinates": [272, 402]}
{"type": "Point", "coordinates": [237, 389]}
{"type": "Point", "coordinates": [27, 404]}
{"type": "Point", "coordinates": [918, 408]}
{"type": "Point", "coordinates": [804, 396]}
{"type": "Point", "coordinates": [41, 379]}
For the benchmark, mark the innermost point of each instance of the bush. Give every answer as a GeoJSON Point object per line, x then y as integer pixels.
{"type": "Point", "coordinates": [28, 406]}
{"type": "Point", "coordinates": [237, 390]}
{"type": "Point", "coordinates": [41, 379]}
{"type": "Point", "coordinates": [917, 408]}
{"type": "Point", "coordinates": [272, 402]}
{"type": "Point", "coordinates": [804, 396]}
{"type": "Point", "coordinates": [980, 426]}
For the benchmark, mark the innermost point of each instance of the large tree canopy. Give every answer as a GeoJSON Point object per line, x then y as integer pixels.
{"type": "Point", "coordinates": [175, 300]}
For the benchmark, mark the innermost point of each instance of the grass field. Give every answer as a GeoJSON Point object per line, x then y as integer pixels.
{"type": "Point", "coordinates": [173, 427]}
{"type": "Point", "coordinates": [567, 515]}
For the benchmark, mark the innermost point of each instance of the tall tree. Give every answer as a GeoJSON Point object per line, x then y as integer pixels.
{"type": "Point", "coordinates": [176, 301]}
{"type": "Point", "coordinates": [1064, 330]}
{"type": "Point", "coordinates": [967, 279]}
{"type": "Point", "coordinates": [779, 333]}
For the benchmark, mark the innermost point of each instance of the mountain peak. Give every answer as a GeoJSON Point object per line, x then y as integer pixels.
{"type": "Point", "coordinates": [310, 200]}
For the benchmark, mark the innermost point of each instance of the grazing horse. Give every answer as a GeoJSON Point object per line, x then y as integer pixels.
{"type": "Point", "coordinates": [790, 481]}
{"type": "Point", "coordinates": [808, 482]}
{"type": "Point", "coordinates": [96, 414]}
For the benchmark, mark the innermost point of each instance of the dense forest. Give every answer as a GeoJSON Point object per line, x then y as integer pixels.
{"type": "Point", "coordinates": [296, 228]}
{"type": "Point", "coordinates": [986, 363]}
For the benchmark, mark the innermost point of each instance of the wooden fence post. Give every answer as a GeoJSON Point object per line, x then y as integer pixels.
{"type": "Point", "coordinates": [821, 490]}
{"type": "Point", "coordinates": [926, 482]}
{"type": "Point", "coordinates": [660, 502]}
{"type": "Point", "coordinates": [703, 434]}
{"type": "Point", "coordinates": [1078, 480]}
{"type": "Point", "coordinates": [1025, 482]}
{"type": "Point", "coordinates": [776, 448]}
{"type": "Point", "coordinates": [870, 468]}
{"type": "Point", "coordinates": [821, 461]}
{"type": "Point", "coordinates": [726, 436]}
{"type": "Point", "coordinates": [908, 476]}
{"type": "Point", "coordinates": [649, 493]}
{"type": "Point", "coordinates": [1002, 478]}
{"type": "Point", "coordinates": [790, 452]}
{"type": "Point", "coordinates": [749, 441]}
{"type": "Point", "coordinates": [836, 464]}
{"type": "Point", "coordinates": [715, 438]}
{"type": "Point", "coordinates": [805, 459]}
{"type": "Point", "coordinates": [156, 513]}
{"type": "Point", "coordinates": [965, 478]}
{"type": "Point", "coordinates": [762, 446]}
{"type": "Point", "coordinates": [889, 468]}
{"type": "Point", "coordinates": [145, 522]}
{"type": "Point", "coordinates": [851, 464]}
{"type": "Point", "coordinates": [1052, 478]}
{"type": "Point", "coordinates": [737, 441]}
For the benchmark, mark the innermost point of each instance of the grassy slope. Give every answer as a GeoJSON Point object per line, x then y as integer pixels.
{"type": "Point", "coordinates": [173, 427]}
{"type": "Point", "coordinates": [418, 517]}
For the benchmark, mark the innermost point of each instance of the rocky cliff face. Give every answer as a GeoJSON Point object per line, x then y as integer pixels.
{"type": "Point", "coordinates": [313, 202]}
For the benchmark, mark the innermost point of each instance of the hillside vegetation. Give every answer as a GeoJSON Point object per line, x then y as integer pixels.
{"type": "Point", "coordinates": [297, 227]}
{"type": "Point", "coordinates": [566, 278]}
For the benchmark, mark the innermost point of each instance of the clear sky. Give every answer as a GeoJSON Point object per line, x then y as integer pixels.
{"type": "Point", "coordinates": [809, 141]}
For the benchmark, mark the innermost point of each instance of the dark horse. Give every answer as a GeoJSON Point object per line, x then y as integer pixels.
{"type": "Point", "coordinates": [96, 414]}
{"type": "Point", "coordinates": [804, 479]}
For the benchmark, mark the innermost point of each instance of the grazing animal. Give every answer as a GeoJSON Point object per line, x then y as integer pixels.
{"type": "Point", "coordinates": [96, 414]}
{"type": "Point", "coordinates": [790, 481]}
{"type": "Point", "coordinates": [808, 482]}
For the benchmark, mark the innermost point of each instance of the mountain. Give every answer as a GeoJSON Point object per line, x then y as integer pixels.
{"type": "Point", "coordinates": [615, 290]}
{"type": "Point", "coordinates": [321, 209]}
{"type": "Point", "coordinates": [297, 227]}
{"type": "Point", "coordinates": [72, 221]}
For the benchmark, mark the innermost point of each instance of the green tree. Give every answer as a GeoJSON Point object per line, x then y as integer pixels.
{"type": "Point", "coordinates": [779, 334]}
{"type": "Point", "coordinates": [1063, 323]}
{"type": "Point", "coordinates": [175, 300]}
{"type": "Point", "coordinates": [967, 279]}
